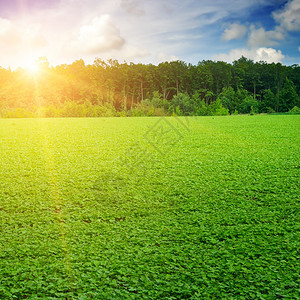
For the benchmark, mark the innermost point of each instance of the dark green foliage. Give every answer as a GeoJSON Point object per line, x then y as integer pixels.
{"type": "Point", "coordinates": [294, 110]}
{"type": "Point", "coordinates": [268, 103]}
{"type": "Point", "coordinates": [288, 97]}
{"type": "Point", "coordinates": [183, 104]}
{"type": "Point", "coordinates": [216, 108]}
{"type": "Point", "coordinates": [157, 106]}
{"type": "Point", "coordinates": [249, 104]}
{"type": "Point", "coordinates": [202, 109]}
{"type": "Point", "coordinates": [89, 209]}
{"type": "Point", "coordinates": [239, 101]}
{"type": "Point", "coordinates": [120, 89]}
{"type": "Point", "coordinates": [228, 99]}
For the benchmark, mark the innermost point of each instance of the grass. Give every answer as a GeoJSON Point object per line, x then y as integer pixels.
{"type": "Point", "coordinates": [131, 208]}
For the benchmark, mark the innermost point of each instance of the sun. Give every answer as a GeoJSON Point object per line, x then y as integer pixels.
{"type": "Point", "coordinates": [32, 68]}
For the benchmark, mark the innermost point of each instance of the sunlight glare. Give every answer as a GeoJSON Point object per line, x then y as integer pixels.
{"type": "Point", "coordinates": [32, 68]}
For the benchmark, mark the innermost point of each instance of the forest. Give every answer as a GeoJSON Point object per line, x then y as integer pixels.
{"type": "Point", "coordinates": [110, 88]}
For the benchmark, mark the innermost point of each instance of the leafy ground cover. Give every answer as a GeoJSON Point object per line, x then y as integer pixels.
{"type": "Point", "coordinates": [151, 208]}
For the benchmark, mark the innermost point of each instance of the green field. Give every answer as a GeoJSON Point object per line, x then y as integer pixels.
{"type": "Point", "coordinates": [150, 208]}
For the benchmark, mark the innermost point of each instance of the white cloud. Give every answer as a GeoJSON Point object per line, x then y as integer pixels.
{"type": "Point", "coordinates": [5, 26]}
{"type": "Point", "coordinates": [162, 57]}
{"type": "Point", "coordinates": [299, 48]}
{"type": "Point", "coordinates": [260, 54]}
{"type": "Point", "coordinates": [17, 35]}
{"type": "Point", "coordinates": [9, 35]}
{"type": "Point", "coordinates": [260, 37]}
{"type": "Point", "coordinates": [234, 31]}
{"type": "Point", "coordinates": [184, 37]}
{"type": "Point", "coordinates": [33, 37]}
{"type": "Point", "coordinates": [130, 52]}
{"type": "Point", "coordinates": [101, 35]}
{"type": "Point", "coordinates": [168, 29]}
{"type": "Point", "coordinates": [289, 16]}
{"type": "Point", "coordinates": [269, 55]}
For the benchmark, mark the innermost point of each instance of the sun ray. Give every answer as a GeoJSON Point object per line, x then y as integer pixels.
{"type": "Point", "coordinates": [32, 68]}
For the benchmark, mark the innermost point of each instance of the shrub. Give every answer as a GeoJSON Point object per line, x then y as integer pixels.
{"type": "Point", "coordinates": [252, 111]}
{"type": "Point", "coordinates": [184, 103]}
{"type": "Point", "coordinates": [50, 111]}
{"type": "Point", "coordinates": [218, 109]}
{"type": "Point", "coordinates": [202, 109]}
{"type": "Point", "coordinates": [268, 102]}
{"type": "Point", "coordinates": [294, 110]}
{"type": "Point", "coordinates": [18, 113]}
{"type": "Point", "coordinates": [249, 104]}
{"type": "Point", "coordinates": [228, 98]}
{"type": "Point", "coordinates": [270, 110]}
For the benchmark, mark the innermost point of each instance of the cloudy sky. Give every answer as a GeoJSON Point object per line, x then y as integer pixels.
{"type": "Point", "coordinates": [148, 31]}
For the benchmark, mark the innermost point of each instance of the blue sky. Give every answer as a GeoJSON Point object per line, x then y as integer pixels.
{"type": "Point", "coordinates": [149, 31]}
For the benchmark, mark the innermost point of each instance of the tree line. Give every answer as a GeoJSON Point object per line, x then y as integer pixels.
{"type": "Point", "coordinates": [110, 88]}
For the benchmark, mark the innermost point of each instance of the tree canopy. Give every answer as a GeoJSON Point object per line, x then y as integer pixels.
{"type": "Point", "coordinates": [107, 88]}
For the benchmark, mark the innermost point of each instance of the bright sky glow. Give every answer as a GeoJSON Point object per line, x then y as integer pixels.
{"type": "Point", "coordinates": [148, 31]}
{"type": "Point", "coordinates": [32, 68]}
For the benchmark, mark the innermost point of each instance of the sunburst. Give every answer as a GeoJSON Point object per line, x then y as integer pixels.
{"type": "Point", "coordinates": [32, 68]}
